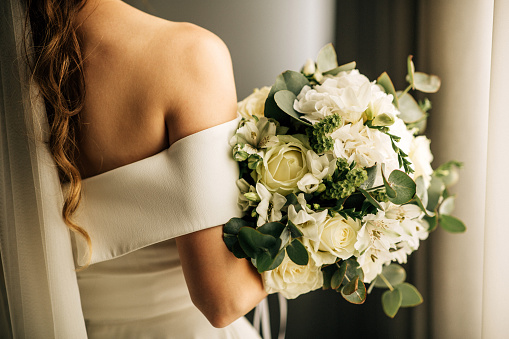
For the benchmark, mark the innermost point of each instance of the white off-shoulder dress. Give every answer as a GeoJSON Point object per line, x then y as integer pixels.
{"type": "Point", "coordinates": [135, 287]}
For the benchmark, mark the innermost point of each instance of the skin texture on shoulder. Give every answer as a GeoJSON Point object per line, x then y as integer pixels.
{"type": "Point", "coordinates": [149, 83]}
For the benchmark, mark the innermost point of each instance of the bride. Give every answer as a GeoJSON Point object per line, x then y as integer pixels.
{"type": "Point", "coordinates": [140, 111]}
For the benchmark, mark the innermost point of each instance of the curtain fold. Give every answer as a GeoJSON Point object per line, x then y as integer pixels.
{"type": "Point", "coordinates": [496, 250]}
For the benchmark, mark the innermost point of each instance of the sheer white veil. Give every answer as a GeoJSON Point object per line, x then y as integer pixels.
{"type": "Point", "coordinates": [39, 293]}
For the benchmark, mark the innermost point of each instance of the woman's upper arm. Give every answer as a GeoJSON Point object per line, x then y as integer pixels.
{"type": "Point", "coordinates": [221, 286]}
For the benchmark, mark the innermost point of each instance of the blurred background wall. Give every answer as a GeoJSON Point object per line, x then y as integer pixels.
{"type": "Point", "coordinates": [450, 38]}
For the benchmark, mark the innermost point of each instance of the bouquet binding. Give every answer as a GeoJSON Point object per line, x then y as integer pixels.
{"type": "Point", "coordinates": [336, 182]}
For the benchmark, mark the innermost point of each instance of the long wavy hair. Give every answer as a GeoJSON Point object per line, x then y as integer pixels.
{"type": "Point", "coordinates": [56, 65]}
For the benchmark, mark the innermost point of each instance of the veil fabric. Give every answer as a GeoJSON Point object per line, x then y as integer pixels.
{"type": "Point", "coordinates": [39, 292]}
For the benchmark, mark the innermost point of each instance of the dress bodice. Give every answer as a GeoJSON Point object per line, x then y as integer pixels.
{"type": "Point", "coordinates": [135, 286]}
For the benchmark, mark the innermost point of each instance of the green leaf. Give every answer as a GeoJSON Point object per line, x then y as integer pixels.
{"type": "Point", "coordinates": [263, 261]}
{"type": "Point", "coordinates": [432, 222]}
{"type": "Point", "coordinates": [343, 68]}
{"type": "Point", "coordinates": [277, 260]}
{"type": "Point", "coordinates": [449, 172]}
{"type": "Point", "coordinates": [337, 277]}
{"type": "Point", "coordinates": [370, 198]}
{"type": "Point", "coordinates": [272, 228]}
{"type": "Point", "coordinates": [284, 100]}
{"type": "Point", "coordinates": [451, 224]}
{"type": "Point", "coordinates": [352, 270]}
{"type": "Point", "coordinates": [357, 297]}
{"type": "Point", "coordinates": [297, 252]}
{"type": "Point", "coordinates": [410, 296]}
{"type": "Point", "coordinates": [234, 225]}
{"type": "Point", "coordinates": [254, 242]}
{"type": "Point", "coordinates": [403, 186]}
{"type": "Point", "coordinates": [294, 231]}
{"type": "Point", "coordinates": [393, 273]}
{"type": "Point", "coordinates": [289, 80]}
{"type": "Point", "coordinates": [391, 302]}
{"type": "Point", "coordinates": [427, 83]}
{"type": "Point", "coordinates": [447, 206]}
{"type": "Point", "coordinates": [410, 71]}
{"type": "Point", "coordinates": [420, 190]}
{"type": "Point", "coordinates": [372, 173]}
{"type": "Point", "coordinates": [388, 189]}
{"type": "Point", "coordinates": [327, 59]}
{"type": "Point", "coordinates": [385, 81]}
{"type": "Point", "coordinates": [411, 112]}
{"type": "Point", "coordinates": [435, 190]}
{"type": "Point", "coordinates": [383, 120]}
{"type": "Point", "coordinates": [351, 286]}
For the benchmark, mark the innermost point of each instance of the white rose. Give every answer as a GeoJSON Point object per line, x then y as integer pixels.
{"type": "Point", "coordinates": [339, 236]}
{"type": "Point", "coordinates": [254, 104]}
{"type": "Point", "coordinates": [292, 280]}
{"type": "Point", "coordinates": [283, 166]}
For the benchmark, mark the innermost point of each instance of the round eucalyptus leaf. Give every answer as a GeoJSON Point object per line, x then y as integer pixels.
{"type": "Point", "coordinates": [410, 110]}
{"type": "Point", "coordinates": [357, 297]}
{"type": "Point", "coordinates": [410, 71]}
{"type": "Point", "coordinates": [451, 224]}
{"type": "Point", "coordinates": [327, 58]}
{"type": "Point", "coordinates": [435, 190]}
{"type": "Point", "coordinates": [447, 206]}
{"type": "Point", "coordinates": [277, 260]}
{"type": "Point", "coordinates": [427, 83]}
{"type": "Point", "coordinates": [337, 277]}
{"type": "Point", "coordinates": [343, 68]}
{"type": "Point", "coordinates": [393, 273]}
{"type": "Point", "coordinates": [410, 295]}
{"type": "Point", "coordinates": [403, 185]}
{"type": "Point", "coordinates": [234, 225]}
{"type": "Point", "coordinates": [351, 286]}
{"type": "Point", "coordinates": [263, 261]}
{"type": "Point", "coordinates": [294, 231]}
{"type": "Point", "coordinates": [383, 120]}
{"type": "Point", "coordinates": [391, 302]}
{"type": "Point", "coordinates": [385, 81]}
{"type": "Point", "coordinates": [297, 252]}
{"type": "Point", "coordinates": [253, 242]}
{"type": "Point", "coordinates": [370, 198]}
{"type": "Point", "coordinates": [272, 228]}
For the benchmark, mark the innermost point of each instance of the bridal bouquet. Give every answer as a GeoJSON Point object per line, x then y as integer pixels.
{"type": "Point", "coordinates": [336, 182]}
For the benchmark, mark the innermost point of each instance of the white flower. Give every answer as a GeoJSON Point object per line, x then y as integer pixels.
{"type": "Point", "coordinates": [308, 184]}
{"type": "Point", "coordinates": [292, 280]}
{"type": "Point", "coordinates": [283, 166]}
{"type": "Point", "coordinates": [421, 157]}
{"type": "Point", "coordinates": [256, 133]}
{"type": "Point", "coordinates": [311, 225]}
{"type": "Point", "coordinates": [320, 166]}
{"type": "Point", "coordinates": [269, 208]}
{"type": "Point", "coordinates": [365, 146]}
{"type": "Point", "coordinates": [372, 261]}
{"type": "Point", "coordinates": [245, 187]}
{"type": "Point", "coordinates": [254, 104]}
{"type": "Point", "coordinates": [339, 236]}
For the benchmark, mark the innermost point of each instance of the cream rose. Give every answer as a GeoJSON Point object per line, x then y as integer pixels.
{"type": "Point", "coordinates": [254, 104]}
{"type": "Point", "coordinates": [283, 166]}
{"type": "Point", "coordinates": [339, 236]}
{"type": "Point", "coordinates": [292, 280]}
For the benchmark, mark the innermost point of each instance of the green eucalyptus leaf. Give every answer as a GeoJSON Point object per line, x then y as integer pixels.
{"type": "Point", "coordinates": [410, 71]}
{"type": "Point", "coordinates": [427, 83]}
{"type": "Point", "coordinates": [253, 242]}
{"type": "Point", "coordinates": [294, 231]}
{"type": "Point", "coordinates": [421, 191]}
{"type": "Point", "coordinates": [403, 186]}
{"type": "Point", "coordinates": [372, 173]}
{"type": "Point", "coordinates": [370, 198]}
{"type": "Point", "coordinates": [351, 286]}
{"type": "Point", "coordinates": [297, 252]}
{"type": "Point", "coordinates": [391, 302]}
{"type": "Point", "coordinates": [432, 222]}
{"type": "Point", "coordinates": [383, 120]}
{"type": "Point", "coordinates": [277, 260]}
{"type": "Point", "coordinates": [451, 224]}
{"type": "Point", "coordinates": [393, 273]}
{"type": "Point", "coordinates": [411, 112]}
{"type": "Point", "coordinates": [327, 58]}
{"type": "Point", "coordinates": [385, 81]}
{"type": "Point", "coordinates": [230, 240]}
{"type": "Point", "coordinates": [263, 261]}
{"type": "Point", "coordinates": [388, 189]}
{"type": "Point", "coordinates": [343, 68]}
{"type": "Point", "coordinates": [234, 225]}
{"type": "Point", "coordinates": [447, 206]}
{"type": "Point", "coordinates": [272, 228]}
{"type": "Point", "coordinates": [435, 191]}
{"type": "Point", "coordinates": [357, 297]}
{"type": "Point", "coordinates": [284, 100]}
{"type": "Point", "coordinates": [353, 270]}
{"type": "Point", "coordinates": [410, 296]}
{"type": "Point", "coordinates": [337, 277]}
{"type": "Point", "coordinates": [449, 172]}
